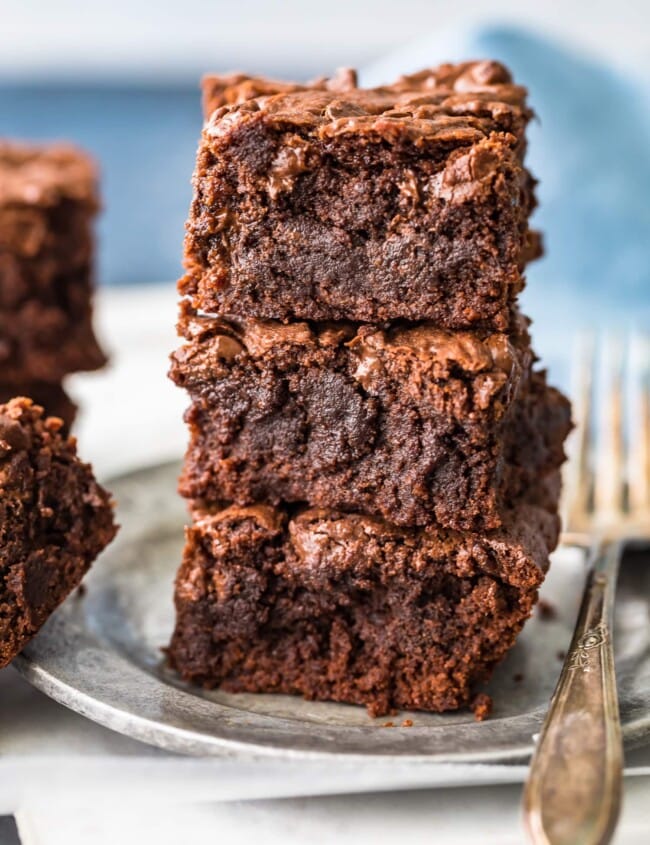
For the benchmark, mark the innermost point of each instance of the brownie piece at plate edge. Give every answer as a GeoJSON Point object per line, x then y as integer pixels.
{"type": "Point", "coordinates": [50, 396]}
{"type": "Point", "coordinates": [54, 521]}
{"type": "Point", "coordinates": [48, 202]}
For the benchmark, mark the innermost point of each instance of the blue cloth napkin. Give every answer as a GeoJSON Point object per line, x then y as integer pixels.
{"type": "Point", "coordinates": [590, 149]}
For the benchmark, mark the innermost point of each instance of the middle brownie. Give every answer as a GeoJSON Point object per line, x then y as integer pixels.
{"type": "Point", "coordinates": [410, 424]}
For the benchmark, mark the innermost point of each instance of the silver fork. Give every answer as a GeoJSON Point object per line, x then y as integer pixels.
{"type": "Point", "coordinates": [573, 793]}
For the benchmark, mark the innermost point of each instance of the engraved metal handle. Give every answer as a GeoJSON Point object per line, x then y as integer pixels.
{"type": "Point", "coordinates": [573, 794]}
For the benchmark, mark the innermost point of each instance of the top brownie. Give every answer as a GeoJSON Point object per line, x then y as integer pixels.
{"type": "Point", "coordinates": [48, 198]}
{"type": "Point", "coordinates": [48, 201]}
{"type": "Point", "coordinates": [328, 202]}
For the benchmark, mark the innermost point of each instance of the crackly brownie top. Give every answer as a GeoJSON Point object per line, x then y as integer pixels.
{"type": "Point", "coordinates": [45, 175]}
{"type": "Point", "coordinates": [462, 103]}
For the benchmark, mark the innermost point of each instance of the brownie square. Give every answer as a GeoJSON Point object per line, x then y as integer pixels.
{"type": "Point", "coordinates": [54, 521]}
{"type": "Point", "coordinates": [347, 608]}
{"type": "Point", "coordinates": [412, 424]}
{"type": "Point", "coordinates": [338, 203]}
{"type": "Point", "coordinates": [48, 201]}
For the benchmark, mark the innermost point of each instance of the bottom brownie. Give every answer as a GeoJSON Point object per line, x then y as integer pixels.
{"type": "Point", "coordinates": [54, 521]}
{"type": "Point", "coordinates": [51, 397]}
{"type": "Point", "coordinates": [346, 608]}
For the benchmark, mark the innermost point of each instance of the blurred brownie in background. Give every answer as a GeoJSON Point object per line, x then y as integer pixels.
{"type": "Point", "coordinates": [48, 201]}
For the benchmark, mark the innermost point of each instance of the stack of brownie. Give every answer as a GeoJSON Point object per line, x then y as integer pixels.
{"type": "Point", "coordinates": [373, 467]}
{"type": "Point", "coordinates": [48, 200]}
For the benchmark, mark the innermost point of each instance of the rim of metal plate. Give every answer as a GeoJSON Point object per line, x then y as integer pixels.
{"type": "Point", "coordinates": [73, 663]}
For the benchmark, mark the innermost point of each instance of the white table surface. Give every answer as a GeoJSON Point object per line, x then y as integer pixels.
{"type": "Point", "coordinates": [68, 780]}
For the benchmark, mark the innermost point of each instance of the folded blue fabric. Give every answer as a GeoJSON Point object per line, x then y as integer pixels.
{"type": "Point", "coordinates": [590, 149]}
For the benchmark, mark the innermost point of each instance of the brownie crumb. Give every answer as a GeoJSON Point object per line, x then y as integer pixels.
{"type": "Point", "coordinates": [518, 678]}
{"type": "Point", "coordinates": [388, 725]}
{"type": "Point", "coordinates": [407, 723]}
{"type": "Point", "coordinates": [481, 706]}
{"type": "Point", "coordinates": [50, 396]}
{"type": "Point", "coordinates": [546, 610]}
{"type": "Point", "coordinates": [560, 655]}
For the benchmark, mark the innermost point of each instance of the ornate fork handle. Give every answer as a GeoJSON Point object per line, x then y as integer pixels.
{"type": "Point", "coordinates": [573, 794]}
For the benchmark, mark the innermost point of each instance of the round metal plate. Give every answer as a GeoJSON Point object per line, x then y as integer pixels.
{"type": "Point", "coordinates": [100, 654]}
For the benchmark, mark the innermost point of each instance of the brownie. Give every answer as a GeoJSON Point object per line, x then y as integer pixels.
{"type": "Point", "coordinates": [45, 343]}
{"type": "Point", "coordinates": [347, 608]}
{"type": "Point", "coordinates": [50, 396]}
{"type": "Point", "coordinates": [48, 201]}
{"type": "Point", "coordinates": [54, 521]}
{"type": "Point", "coordinates": [340, 203]}
{"type": "Point", "coordinates": [413, 424]}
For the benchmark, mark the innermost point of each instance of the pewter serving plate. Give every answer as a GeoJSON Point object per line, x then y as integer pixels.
{"type": "Point", "coordinates": [100, 654]}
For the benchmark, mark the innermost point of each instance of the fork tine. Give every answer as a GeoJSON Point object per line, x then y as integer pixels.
{"type": "Point", "coordinates": [609, 459]}
{"type": "Point", "coordinates": [639, 455]}
{"type": "Point", "coordinates": [578, 476]}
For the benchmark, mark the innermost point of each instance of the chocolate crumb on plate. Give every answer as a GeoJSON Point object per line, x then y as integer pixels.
{"type": "Point", "coordinates": [481, 706]}
{"type": "Point", "coordinates": [546, 610]}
